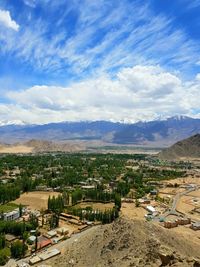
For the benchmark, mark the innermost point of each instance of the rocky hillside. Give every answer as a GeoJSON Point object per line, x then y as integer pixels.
{"type": "Point", "coordinates": [187, 148]}
{"type": "Point", "coordinates": [126, 243]}
{"type": "Point", "coordinates": [159, 132]}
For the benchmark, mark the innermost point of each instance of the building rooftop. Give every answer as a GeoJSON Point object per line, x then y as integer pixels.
{"type": "Point", "coordinates": [49, 254]}
{"type": "Point", "coordinates": [32, 238]}
{"type": "Point", "coordinates": [15, 211]}
{"type": "Point", "coordinates": [150, 208]}
{"type": "Point", "coordinates": [34, 260]}
{"type": "Point", "coordinates": [43, 242]}
{"type": "Point", "coordinates": [62, 230]}
{"type": "Point", "coordinates": [10, 237]}
{"type": "Point", "coordinates": [196, 224]}
{"type": "Point", "coordinates": [51, 233]}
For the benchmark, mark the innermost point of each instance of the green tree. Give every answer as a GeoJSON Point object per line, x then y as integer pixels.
{"type": "Point", "coordinates": [18, 249]}
{"type": "Point", "coordinates": [20, 210]}
{"type": "Point", "coordinates": [2, 241]}
{"type": "Point", "coordinates": [36, 240]}
{"type": "Point", "coordinates": [4, 254]}
{"type": "Point", "coordinates": [118, 201]}
{"type": "Point", "coordinates": [33, 220]}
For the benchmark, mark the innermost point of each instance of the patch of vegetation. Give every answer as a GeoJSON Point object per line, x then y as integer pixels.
{"type": "Point", "coordinates": [8, 207]}
{"type": "Point", "coordinates": [4, 255]}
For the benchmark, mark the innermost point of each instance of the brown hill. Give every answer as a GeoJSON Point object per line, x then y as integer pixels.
{"type": "Point", "coordinates": [187, 148]}
{"type": "Point", "coordinates": [50, 146]}
{"type": "Point", "coordinates": [126, 243]}
{"type": "Point", "coordinates": [37, 146]}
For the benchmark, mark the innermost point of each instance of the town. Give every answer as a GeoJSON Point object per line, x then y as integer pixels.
{"type": "Point", "coordinates": [48, 199]}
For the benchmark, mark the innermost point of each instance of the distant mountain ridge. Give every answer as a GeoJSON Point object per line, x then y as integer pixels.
{"type": "Point", "coordinates": [164, 132]}
{"type": "Point", "coordinates": [155, 133]}
{"type": "Point", "coordinates": [187, 148]}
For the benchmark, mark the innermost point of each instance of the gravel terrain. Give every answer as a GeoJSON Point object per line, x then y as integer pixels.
{"type": "Point", "coordinates": [128, 243]}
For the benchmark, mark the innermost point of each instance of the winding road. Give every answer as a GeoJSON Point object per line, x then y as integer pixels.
{"type": "Point", "coordinates": [172, 210]}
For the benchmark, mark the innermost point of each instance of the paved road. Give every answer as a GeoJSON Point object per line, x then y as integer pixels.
{"type": "Point", "coordinates": [179, 195]}
{"type": "Point", "coordinates": [173, 210]}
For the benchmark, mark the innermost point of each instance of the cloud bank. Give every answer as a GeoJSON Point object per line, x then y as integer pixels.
{"type": "Point", "coordinates": [137, 93]}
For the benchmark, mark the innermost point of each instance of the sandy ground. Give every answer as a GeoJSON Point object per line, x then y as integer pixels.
{"type": "Point", "coordinates": [71, 227]}
{"type": "Point", "coordinates": [185, 180]}
{"type": "Point", "coordinates": [195, 193]}
{"type": "Point", "coordinates": [169, 196]}
{"type": "Point", "coordinates": [16, 149]}
{"type": "Point", "coordinates": [95, 206]}
{"type": "Point", "coordinates": [185, 205]}
{"type": "Point", "coordinates": [35, 200]}
{"type": "Point", "coordinates": [188, 234]}
{"type": "Point", "coordinates": [130, 211]}
{"type": "Point", "coordinates": [171, 190]}
{"type": "Point", "coordinates": [125, 243]}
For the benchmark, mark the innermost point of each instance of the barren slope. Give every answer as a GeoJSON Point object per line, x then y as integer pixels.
{"type": "Point", "coordinates": [128, 243]}
{"type": "Point", "coordinates": [187, 148]}
{"type": "Point", "coordinates": [36, 146]}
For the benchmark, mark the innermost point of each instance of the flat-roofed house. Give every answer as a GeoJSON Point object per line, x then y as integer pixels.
{"type": "Point", "coordinates": [12, 215]}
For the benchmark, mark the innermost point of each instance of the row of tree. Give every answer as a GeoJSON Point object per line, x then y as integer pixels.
{"type": "Point", "coordinates": [56, 204]}
{"type": "Point", "coordinates": [106, 216]}
{"type": "Point", "coordinates": [91, 194]}
{"type": "Point", "coordinates": [15, 228]}
{"type": "Point", "coordinates": [9, 193]}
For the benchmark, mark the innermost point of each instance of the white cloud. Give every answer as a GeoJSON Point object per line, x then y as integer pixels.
{"type": "Point", "coordinates": [138, 93]}
{"type": "Point", "coordinates": [106, 36]}
{"type": "Point", "coordinates": [192, 4]}
{"type": "Point", "coordinates": [7, 21]}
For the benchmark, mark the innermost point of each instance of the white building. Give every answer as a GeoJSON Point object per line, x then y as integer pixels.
{"type": "Point", "coordinates": [150, 209]}
{"type": "Point", "coordinates": [12, 215]}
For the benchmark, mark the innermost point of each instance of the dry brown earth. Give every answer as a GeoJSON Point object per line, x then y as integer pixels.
{"type": "Point", "coordinates": [35, 200]}
{"type": "Point", "coordinates": [129, 242]}
{"type": "Point", "coordinates": [187, 148]}
{"type": "Point", "coordinates": [15, 149]}
{"type": "Point", "coordinates": [38, 146]}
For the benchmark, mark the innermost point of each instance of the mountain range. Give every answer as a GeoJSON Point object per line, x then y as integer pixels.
{"type": "Point", "coordinates": [153, 133]}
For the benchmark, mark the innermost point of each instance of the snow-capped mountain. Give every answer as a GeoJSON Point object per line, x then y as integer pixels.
{"type": "Point", "coordinates": [12, 122]}
{"type": "Point", "coordinates": [158, 132]}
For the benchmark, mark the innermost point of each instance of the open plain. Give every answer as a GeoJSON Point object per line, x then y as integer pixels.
{"type": "Point", "coordinates": [35, 200]}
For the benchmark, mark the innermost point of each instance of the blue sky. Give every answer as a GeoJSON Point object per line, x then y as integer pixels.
{"type": "Point", "coordinates": [120, 60]}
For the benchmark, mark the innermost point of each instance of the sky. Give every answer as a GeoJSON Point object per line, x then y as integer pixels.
{"type": "Point", "coordinates": [115, 60]}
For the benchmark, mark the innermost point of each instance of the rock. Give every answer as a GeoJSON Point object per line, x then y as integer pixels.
{"type": "Point", "coordinates": [196, 263]}
{"type": "Point", "coordinates": [165, 259]}
{"type": "Point", "coordinates": [190, 259]}
{"type": "Point", "coordinates": [166, 256]}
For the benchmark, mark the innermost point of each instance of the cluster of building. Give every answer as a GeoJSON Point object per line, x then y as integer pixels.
{"type": "Point", "coordinates": [49, 238]}
{"type": "Point", "coordinates": [44, 256]}
{"type": "Point", "coordinates": [179, 221]}
{"type": "Point", "coordinates": [75, 220]}
{"type": "Point", "coordinates": [182, 221]}
{"type": "Point", "coordinates": [15, 214]}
